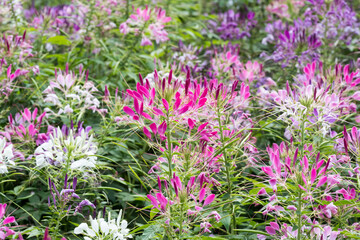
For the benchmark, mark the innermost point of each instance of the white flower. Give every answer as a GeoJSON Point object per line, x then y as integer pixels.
{"type": "Point", "coordinates": [70, 94]}
{"type": "Point", "coordinates": [6, 155]}
{"type": "Point", "coordinates": [101, 229]}
{"type": "Point", "coordinates": [78, 150]}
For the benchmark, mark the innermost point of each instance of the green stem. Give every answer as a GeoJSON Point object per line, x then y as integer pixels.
{"type": "Point", "coordinates": [127, 8]}
{"type": "Point", "coordinates": [227, 164]}
{"type": "Point", "coordinates": [299, 216]}
{"type": "Point", "coordinates": [181, 220]}
{"type": "Point", "coordinates": [2, 190]}
{"type": "Point", "coordinates": [13, 15]}
{"type": "Point", "coordinates": [299, 199]}
{"type": "Point", "coordinates": [227, 168]}
{"type": "Point", "coordinates": [124, 61]}
{"type": "Point", "coordinates": [167, 7]}
{"type": "Point", "coordinates": [58, 222]}
{"type": "Point", "coordinates": [169, 145]}
{"type": "Point", "coordinates": [302, 138]}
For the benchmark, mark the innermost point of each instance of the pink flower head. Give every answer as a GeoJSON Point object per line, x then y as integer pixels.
{"type": "Point", "coordinates": [191, 123]}
{"type": "Point", "coordinates": [161, 16]}
{"type": "Point", "coordinates": [145, 41]}
{"type": "Point", "coordinates": [209, 199]}
{"type": "Point", "coordinates": [176, 183]}
{"type": "Point", "coordinates": [5, 231]}
{"type": "Point", "coordinates": [159, 200]}
{"type": "Point", "coordinates": [205, 226]}
{"type": "Point", "coordinates": [141, 15]}
{"type": "Point", "coordinates": [216, 215]}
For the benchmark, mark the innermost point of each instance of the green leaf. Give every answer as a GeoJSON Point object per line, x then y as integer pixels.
{"type": "Point", "coordinates": [343, 202]}
{"type": "Point", "coordinates": [153, 213]}
{"type": "Point", "coordinates": [33, 232]}
{"type": "Point", "coordinates": [226, 222]}
{"type": "Point", "coordinates": [59, 40]}
{"type": "Point", "coordinates": [150, 232]}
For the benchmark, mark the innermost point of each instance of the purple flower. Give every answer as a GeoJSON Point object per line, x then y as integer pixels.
{"type": "Point", "coordinates": [234, 25]}
{"type": "Point", "coordinates": [82, 204]}
{"type": "Point", "coordinates": [295, 45]}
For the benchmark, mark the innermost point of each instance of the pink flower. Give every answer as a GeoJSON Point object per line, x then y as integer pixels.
{"type": "Point", "coordinates": [270, 230]}
{"type": "Point", "coordinates": [166, 104]}
{"type": "Point", "coordinates": [141, 15]}
{"type": "Point", "coordinates": [262, 192]}
{"type": "Point", "coordinates": [145, 41]}
{"type": "Point", "coordinates": [176, 183]}
{"type": "Point", "coordinates": [191, 123]}
{"type": "Point", "coordinates": [5, 231]}
{"type": "Point", "coordinates": [147, 133]}
{"type": "Point", "coordinates": [161, 16]}
{"type": "Point", "coordinates": [205, 226]}
{"type": "Point", "coordinates": [159, 200]}
{"type": "Point", "coordinates": [216, 215]}
{"type": "Point", "coordinates": [329, 210]}
{"type": "Point", "coordinates": [209, 199]}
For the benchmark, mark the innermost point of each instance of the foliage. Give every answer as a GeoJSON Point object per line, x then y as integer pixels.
{"type": "Point", "coordinates": [174, 119]}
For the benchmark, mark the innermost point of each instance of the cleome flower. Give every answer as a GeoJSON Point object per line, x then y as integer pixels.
{"type": "Point", "coordinates": [67, 148]}
{"type": "Point", "coordinates": [233, 25]}
{"type": "Point", "coordinates": [5, 229]}
{"type": "Point", "coordinates": [149, 23]}
{"type": "Point", "coordinates": [99, 228]}
{"type": "Point", "coordinates": [6, 155]}
{"type": "Point", "coordinates": [70, 95]}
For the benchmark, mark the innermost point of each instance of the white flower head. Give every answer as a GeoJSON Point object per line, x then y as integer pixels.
{"type": "Point", "coordinates": [6, 155]}
{"type": "Point", "coordinates": [75, 149]}
{"type": "Point", "coordinates": [99, 228]}
{"type": "Point", "coordinates": [70, 94]}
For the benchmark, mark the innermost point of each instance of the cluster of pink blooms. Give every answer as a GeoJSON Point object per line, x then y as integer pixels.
{"type": "Point", "coordinates": [226, 64]}
{"type": "Point", "coordinates": [5, 230]}
{"type": "Point", "coordinates": [319, 98]}
{"type": "Point", "coordinates": [195, 197]}
{"type": "Point", "coordinates": [311, 177]}
{"type": "Point", "coordinates": [26, 127]}
{"type": "Point", "coordinates": [148, 24]}
{"type": "Point", "coordinates": [15, 51]}
{"type": "Point", "coordinates": [196, 116]}
{"type": "Point", "coordinates": [168, 110]}
{"type": "Point", "coordinates": [284, 8]}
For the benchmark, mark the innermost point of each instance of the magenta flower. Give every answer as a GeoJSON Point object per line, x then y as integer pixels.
{"type": "Point", "coordinates": [5, 231]}
{"type": "Point", "coordinates": [160, 199]}
{"type": "Point", "coordinates": [26, 126]}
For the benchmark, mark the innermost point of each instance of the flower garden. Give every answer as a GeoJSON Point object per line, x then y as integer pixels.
{"type": "Point", "coordinates": [169, 119]}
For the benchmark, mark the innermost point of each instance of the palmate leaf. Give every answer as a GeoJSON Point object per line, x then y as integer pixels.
{"type": "Point", "coordinates": [150, 232]}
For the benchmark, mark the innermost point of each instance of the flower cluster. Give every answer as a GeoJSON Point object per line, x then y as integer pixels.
{"type": "Point", "coordinates": [297, 46]}
{"type": "Point", "coordinates": [101, 228]}
{"type": "Point", "coordinates": [68, 148]}
{"type": "Point", "coordinates": [147, 23]}
{"type": "Point", "coordinates": [283, 8]}
{"type": "Point", "coordinates": [70, 95]}
{"type": "Point", "coordinates": [319, 100]}
{"type": "Point", "coordinates": [245, 124]}
{"type": "Point", "coordinates": [233, 25]}
{"type": "Point", "coordinates": [26, 127]}
{"type": "Point", "coordinates": [5, 230]}
{"type": "Point", "coordinates": [6, 155]}
{"type": "Point", "coordinates": [331, 24]}
{"type": "Point", "coordinates": [15, 50]}
{"type": "Point", "coordinates": [49, 20]}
